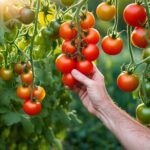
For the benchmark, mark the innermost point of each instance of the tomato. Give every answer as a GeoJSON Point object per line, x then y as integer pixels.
{"type": "Point", "coordinates": [85, 67]}
{"type": "Point", "coordinates": [67, 31]}
{"type": "Point", "coordinates": [147, 90]}
{"type": "Point", "coordinates": [68, 80]}
{"type": "Point", "coordinates": [67, 2]}
{"type": "Point", "coordinates": [64, 64]}
{"type": "Point", "coordinates": [6, 74]}
{"type": "Point", "coordinates": [143, 114]}
{"type": "Point", "coordinates": [91, 52]}
{"type": "Point", "coordinates": [91, 36]}
{"type": "Point", "coordinates": [67, 47]}
{"type": "Point", "coordinates": [134, 15]}
{"type": "Point", "coordinates": [139, 37]}
{"type": "Point", "coordinates": [146, 53]}
{"type": "Point", "coordinates": [39, 93]}
{"type": "Point", "coordinates": [87, 20]}
{"type": "Point", "coordinates": [27, 77]}
{"type": "Point", "coordinates": [26, 15]}
{"type": "Point", "coordinates": [32, 108]}
{"type": "Point", "coordinates": [106, 11]}
{"type": "Point", "coordinates": [23, 92]}
{"type": "Point", "coordinates": [127, 82]}
{"type": "Point", "coordinates": [19, 68]}
{"type": "Point", "coordinates": [112, 46]}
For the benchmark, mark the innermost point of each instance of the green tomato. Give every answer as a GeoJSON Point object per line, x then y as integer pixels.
{"type": "Point", "coordinates": [143, 114]}
{"type": "Point", "coordinates": [67, 2]}
{"type": "Point", "coordinates": [55, 25]}
{"type": "Point", "coordinates": [147, 90]}
{"type": "Point", "coordinates": [146, 53]}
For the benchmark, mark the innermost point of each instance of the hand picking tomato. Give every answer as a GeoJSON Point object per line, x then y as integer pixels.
{"type": "Point", "coordinates": [143, 114]}
{"type": "Point", "coordinates": [134, 15]}
{"type": "Point", "coordinates": [127, 82]}
{"type": "Point", "coordinates": [112, 46]}
{"type": "Point", "coordinates": [65, 64]}
{"type": "Point", "coordinates": [6, 74]}
{"type": "Point", "coordinates": [85, 67]}
{"type": "Point", "coordinates": [23, 92]}
{"type": "Point", "coordinates": [39, 93]}
{"type": "Point", "coordinates": [68, 80]}
{"type": "Point", "coordinates": [32, 108]}
{"type": "Point", "coordinates": [106, 11]}
{"type": "Point", "coordinates": [87, 20]}
{"type": "Point", "coordinates": [27, 77]}
{"type": "Point", "coordinates": [91, 52]}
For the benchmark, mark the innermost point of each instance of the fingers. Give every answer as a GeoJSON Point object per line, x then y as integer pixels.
{"type": "Point", "coordinates": [81, 77]}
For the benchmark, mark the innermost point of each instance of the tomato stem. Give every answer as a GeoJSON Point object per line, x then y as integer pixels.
{"type": "Point", "coordinates": [116, 18]}
{"type": "Point", "coordinates": [143, 61]}
{"type": "Point", "coordinates": [147, 10]}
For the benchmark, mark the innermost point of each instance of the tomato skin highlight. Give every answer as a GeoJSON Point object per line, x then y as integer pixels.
{"type": "Point", "coordinates": [143, 114]}
{"type": "Point", "coordinates": [6, 74]}
{"type": "Point", "coordinates": [67, 47]}
{"type": "Point", "coordinates": [23, 92]}
{"type": "Point", "coordinates": [139, 37]}
{"type": "Point", "coordinates": [66, 31]}
{"type": "Point", "coordinates": [39, 93]}
{"type": "Point", "coordinates": [127, 82]}
{"type": "Point", "coordinates": [88, 22]}
{"type": "Point", "coordinates": [85, 67]}
{"type": "Point", "coordinates": [64, 64]}
{"type": "Point", "coordinates": [92, 36]}
{"type": "Point", "coordinates": [105, 11]}
{"type": "Point", "coordinates": [32, 108]}
{"type": "Point", "coordinates": [134, 15]}
{"type": "Point", "coordinates": [27, 77]}
{"type": "Point", "coordinates": [112, 46]}
{"type": "Point", "coordinates": [68, 80]}
{"type": "Point", "coordinates": [91, 52]}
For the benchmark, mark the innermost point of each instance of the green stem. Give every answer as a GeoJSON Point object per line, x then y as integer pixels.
{"type": "Point", "coordinates": [129, 43]}
{"type": "Point", "coordinates": [116, 18]}
{"type": "Point", "coordinates": [143, 61]}
{"type": "Point", "coordinates": [148, 12]}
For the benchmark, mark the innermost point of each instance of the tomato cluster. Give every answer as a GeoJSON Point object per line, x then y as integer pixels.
{"type": "Point", "coordinates": [78, 49]}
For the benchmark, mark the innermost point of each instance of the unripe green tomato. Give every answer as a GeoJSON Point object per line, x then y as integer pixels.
{"type": "Point", "coordinates": [1, 57]}
{"type": "Point", "coordinates": [147, 90]}
{"type": "Point", "coordinates": [67, 2]}
{"type": "Point", "coordinates": [146, 53]}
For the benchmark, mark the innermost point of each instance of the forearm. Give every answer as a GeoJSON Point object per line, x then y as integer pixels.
{"type": "Point", "coordinates": [130, 133]}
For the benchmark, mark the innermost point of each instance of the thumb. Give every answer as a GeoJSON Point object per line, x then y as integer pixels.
{"type": "Point", "coordinates": [81, 77]}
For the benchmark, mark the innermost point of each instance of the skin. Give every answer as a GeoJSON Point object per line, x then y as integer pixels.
{"type": "Point", "coordinates": [95, 98]}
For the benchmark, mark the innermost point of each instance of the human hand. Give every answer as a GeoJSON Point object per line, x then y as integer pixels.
{"type": "Point", "coordinates": [91, 91]}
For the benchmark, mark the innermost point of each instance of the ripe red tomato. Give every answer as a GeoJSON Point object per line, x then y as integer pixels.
{"type": "Point", "coordinates": [6, 74]}
{"type": "Point", "coordinates": [139, 37]}
{"type": "Point", "coordinates": [67, 31]}
{"type": "Point", "coordinates": [68, 80]}
{"type": "Point", "coordinates": [143, 114]}
{"type": "Point", "coordinates": [68, 47]}
{"type": "Point", "coordinates": [112, 46]}
{"type": "Point", "coordinates": [146, 54]}
{"type": "Point", "coordinates": [19, 68]}
{"type": "Point", "coordinates": [91, 52]}
{"type": "Point", "coordinates": [127, 82]}
{"type": "Point", "coordinates": [26, 15]}
{"type": "Point", "coordinates": [85, 67]}
{"type": "Point", "coordinates": [106, 11]}
{"type": "Point", "coordinates": [64, 64]}
{"type": "Point", "coordinates": [32, 108]}
{"type": "Point", "coordinates": [91, 36]}
{"type": "Point", "coordinates": [134, 15]}
{"type": "Point", "coordinates": [27, 77]}
{"type": "Point", "coordinates": [23, 92]}
{"type": "Point", "coordinates": [87, 20]}
{"type": "Point", "coordinates": [39, 93]}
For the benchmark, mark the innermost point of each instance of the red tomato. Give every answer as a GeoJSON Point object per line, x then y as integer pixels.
{"type": "Point", "coordinates": [23, 92]}
{"type": "Point", "coordinates": [139, 37]}
{"type": "Point", "coordinates": [127, 82]}
{"type": "Point", "coordinates": [27, 77]}
{"type": "Point", "coordinates": [85, 67]}
{"type": "Point", "coordinates": [106, 11]}
{"type": "Point", "coordinates": [32, 108]}
{"type": "Point", "coordinates": [67, 31]}
{"type": "Point", "coordinates": [64, 64]}
{"type": "Point", "coordinates": [134, 15]}
{"type": "Point", "coordinates": [91, 52]}
{"type": "Point", "coordinates": [87, 20]}
{"type": "Point", "coordinates": [112, 46]}
{"type": "Point", "coordinates": [39, 93]}
{"type": "Point", "coordinates": [19, 68]}
{"type": "Point", "coordinates": [91, 36]}
{"type": "Point", "coordinates": [67, 47]}
{"type": "Point", "coordinates": [6, 74]}
{"type": "Point", "coordinates": [68, 80]}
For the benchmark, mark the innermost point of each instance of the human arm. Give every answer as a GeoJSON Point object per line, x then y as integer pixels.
{"type": "Point", "coordinates": [95, 98]}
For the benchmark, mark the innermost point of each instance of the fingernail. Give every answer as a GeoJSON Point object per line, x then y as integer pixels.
{"type": "Point", "coordinates": [74, 72]}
